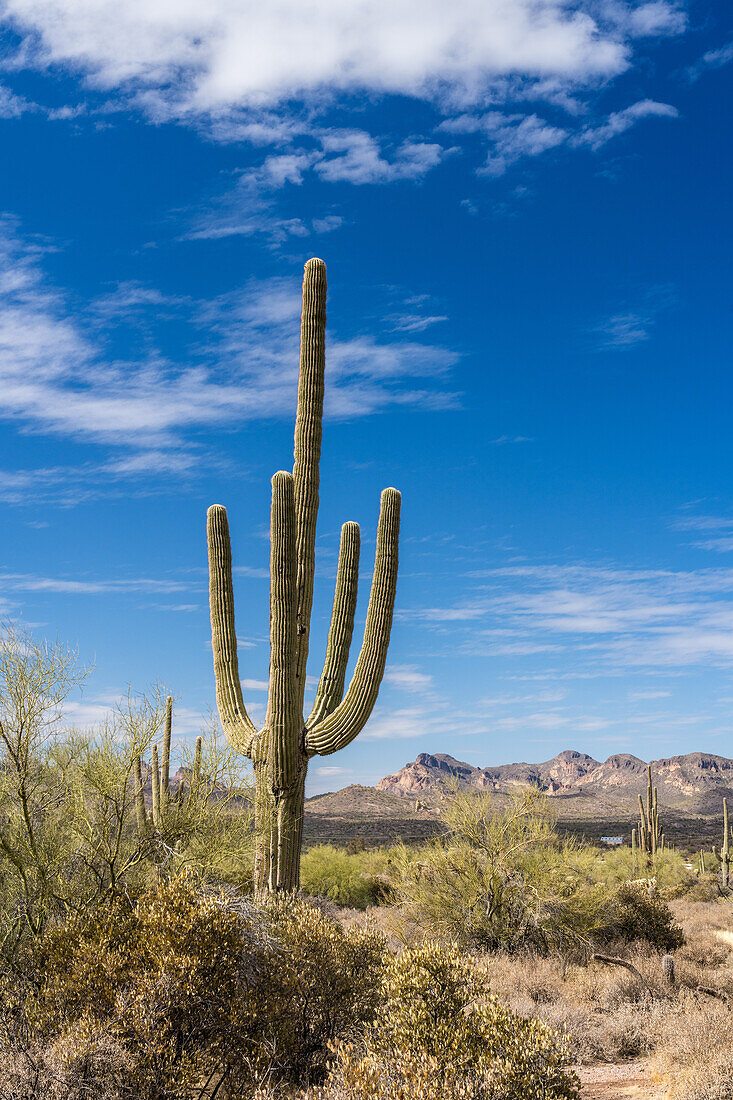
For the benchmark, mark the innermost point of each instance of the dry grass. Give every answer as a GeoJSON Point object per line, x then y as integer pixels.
{"type": "Point", "coordinates": [610, 1015]}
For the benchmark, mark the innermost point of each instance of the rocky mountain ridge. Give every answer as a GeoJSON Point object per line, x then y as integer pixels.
{"type": "Point", "coordinates": [696, 779]}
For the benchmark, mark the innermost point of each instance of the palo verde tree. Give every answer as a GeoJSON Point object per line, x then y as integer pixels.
{"type": "Point", "coordinates": [280, 751]}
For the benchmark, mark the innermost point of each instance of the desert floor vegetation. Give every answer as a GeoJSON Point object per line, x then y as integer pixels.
{"type": "Point", "coordinates": [488, 963]}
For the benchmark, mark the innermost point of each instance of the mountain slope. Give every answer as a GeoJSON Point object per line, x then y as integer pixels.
{"type": "Point", "coordinates": [696, 782]}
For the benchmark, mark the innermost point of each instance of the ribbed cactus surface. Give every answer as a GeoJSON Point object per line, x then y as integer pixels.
{"type": "Point", "coordinates": [280, 751]}
{"type": "Point", "coordinates": [650, 836]}
{"type": "Point", "coordinates": [725, 849]}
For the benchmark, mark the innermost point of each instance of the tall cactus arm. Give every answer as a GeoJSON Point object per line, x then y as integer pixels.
{"type": "Point", "coordinates": [155, 779]}
{"type": "Point", "coordinates": [238, 726]}
{"type": "Point", "coordinates": [196, 775]}
{"type": "Point", "coordinates": [283, 716]}
{"type": "Point", "coordinates": [165, 762]}
{"type": "Point", "coordinates": [331, 687]}
{"type": "Point", "coordinates": [340, 728]}
{"type": "Point", "coordinates": [308, 433]}
{"type": "Point", "coordinates": [142, 819]}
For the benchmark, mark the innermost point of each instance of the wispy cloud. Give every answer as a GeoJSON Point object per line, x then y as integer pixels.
{"type": "Point", "coordinates": [618, 122]}
{"type": "Point", "coordinates": [56, 374]}
{"type": "Point", "coordinates": [719, 530]}
{"type": "Point", "coordinates": [511, 137]}
{"type": "Point", "coordinates": [27, 582]}
{"type": "Point", "coordinates": [713, 59]}
{"type": "Point", "coordinates": [279, 77]}
{"type": "Point", "coordinates": [408, 678]}
{"type": "Point", "coordinates": [627, 328]}
{"type": "Point", "coordinates": [597, 617]}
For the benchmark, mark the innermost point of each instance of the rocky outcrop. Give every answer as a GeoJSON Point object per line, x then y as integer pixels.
{"type": "Point", "coordinates": [703, 777]}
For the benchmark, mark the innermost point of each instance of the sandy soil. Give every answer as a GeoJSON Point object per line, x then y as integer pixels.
{"type": "Point", "coordinates": [619, 1081]}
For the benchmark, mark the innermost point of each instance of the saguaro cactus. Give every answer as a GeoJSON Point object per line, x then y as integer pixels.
{"type": "Point", "coordinates": [280, 751]}
{"type": "Point", "coordinates": [651, 839]}
{"type": "Point", "coordinates": [160, 777]}
{"type": "Point", "coordinates": [725, 849]}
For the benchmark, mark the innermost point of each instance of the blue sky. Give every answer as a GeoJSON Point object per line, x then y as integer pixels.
{"type": "Point", "coordinates": [525, 212]}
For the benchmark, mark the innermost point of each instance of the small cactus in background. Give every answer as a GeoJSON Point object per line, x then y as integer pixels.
{"type": "Point", "coordinates": [651, 839]}
{"type": "Point", "coordinates": [160, 777]}
{"type": "Point", "coordinates": [725, 849]}
{"type": "Point", "coordinates": [668, 969]}
{"type": "Point", "coordinates": [280, 751]}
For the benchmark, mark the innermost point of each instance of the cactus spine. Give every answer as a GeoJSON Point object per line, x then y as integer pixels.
{"type": "Point", "coordinates": [725, 849]}
{"type": "Point", "coordinates": [280, 751]}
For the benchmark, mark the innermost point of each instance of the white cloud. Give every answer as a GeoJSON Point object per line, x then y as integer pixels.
{"type": "Point", "coordinates": [408, 678]}
{"type": "Point", "coordinates": [620, 121]}
{"type": "Point", "coordinates": [333, 770]}
{"type": "Point", "coordinates": [713, 59]}
{"type": "Point", "coordinates": [11, 105]}
{"type": "Point", "coordinates": [255, 685]}
{"type": "Point", "coordinates": [268, 74]}
{"type": "Point", "coordinates": [188, 58]}
{"type": "Point", "coordinates": [55, 375]}
{"type": "Point", "coordinates": [354, 156]}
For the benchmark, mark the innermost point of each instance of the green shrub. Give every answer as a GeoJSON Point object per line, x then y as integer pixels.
{"type": "Point", "coordinates": [340, 876]}
{"type": "Point", "coordinates": [501, 881]}
{"type": "Point", "coordinates": [633, 916]}
{"type": "Point", "coordinates": [436, 1024]}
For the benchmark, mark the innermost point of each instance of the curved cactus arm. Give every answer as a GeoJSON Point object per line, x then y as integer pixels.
{"type": "Point", "coordinates": [283, 720]}
{"type": "Point", "coordinates": [331, 686]}
{"type": "Point", "coordinates": [308, 433]}
{"type": "Point", "coordinates": [165, 762]}
{"type": "Point", "coordinates": [238, 726]}
{"type": "Point", "coordinates": [340, 728]}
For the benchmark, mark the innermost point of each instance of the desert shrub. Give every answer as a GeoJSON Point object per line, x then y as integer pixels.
{"type": "Point", "coordinates": [436, 1023]}
{"type": "Point", "coordinates": [325, 985]}
{"type": "Point", "coordinates": [71, 838]}
{"type": "Point", "coordinates": [501, 881]}
{"type": "Point", "coordinates": [668, 869]}
{"type": "Point", "coordinates": [634, 916]}
{"type": "Point", "coordinates": [187, 986]}
{"type": "Point", "coordinates": [340, 876]}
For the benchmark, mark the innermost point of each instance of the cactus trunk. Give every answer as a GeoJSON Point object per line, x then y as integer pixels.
{"type": "Point", "coordinates": [280, 751]}
{"type": "Point", "coordinates": [725, 849]}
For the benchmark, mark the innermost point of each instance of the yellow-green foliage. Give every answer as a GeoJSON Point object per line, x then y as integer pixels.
{"type": "Point", "coordinates": [506, 880]}
{"type": "Point", "coordinates": [325, 985]}
{"type": "Point", "coordinates": [671, 877]}
{"type": "Point", "coordinates": [186, 985]}
{"type": "Point", "coordinates": [500, 880]}
{"type": "Point", "coordinates": [343, 877]}
{"type": "Point", "coordinates": [438, 1027]}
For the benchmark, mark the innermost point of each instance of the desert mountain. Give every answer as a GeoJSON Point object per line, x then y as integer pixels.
{"type": "Point", "coordinates": [697, 781]}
